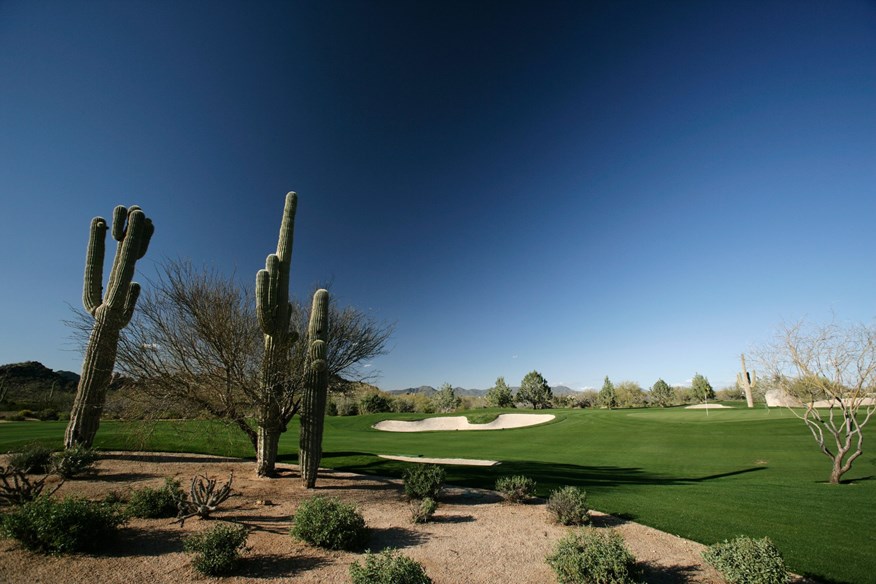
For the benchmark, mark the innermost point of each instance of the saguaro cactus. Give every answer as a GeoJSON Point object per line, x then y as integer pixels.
{"type": "Point", "coordinates": [315, 390]}
{"type": "Point", "coordinates": [274, 312]}
{"type": "Point", "coordinates": [746, 381]}
{"type": "Point", "coordinates": [111, 311]}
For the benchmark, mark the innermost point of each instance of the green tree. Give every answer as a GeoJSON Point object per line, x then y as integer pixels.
{"type": "Point", "coordinates": [607, 396]}
{"type": "Point", "coordinates": [662, 393]}
{"type": "Point", "coordinates": [628, 394]}
{"type": "Point", "coordinates": [701, 388]}
{"type": "Point", "coordinates": [446, 399]}
{"type": "Point", "coordinates": [535, 390]}
{"type": "Point", "coordinates": [499, 396]}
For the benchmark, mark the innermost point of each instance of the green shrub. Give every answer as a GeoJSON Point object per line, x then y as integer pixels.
{"type": "Point", "coordinates": [569, 506]}
{"type": "Point", "coordinates": [15, 418]}
{"type": "Point", "coordinates": [423, 509]}
{"type": "Point", "coordinates": [744, 560]}
{"type": "Point", "coordinates": [329, 523]}
{"type": "Point", "coordinates": [71, 525]}
{"type": "Point", "coordinates": [375, 403]}
{"type": "Point", "coordinates": [516, 489]}
{"type": "Point", "coordinates": [217, 549]}
{"type": "Point", "coordinates": [424, 480]}
{"type": "Point", "coordinates": [33, 458]}
{"type": "Point", "coordinates": [47, 414]}
{"type": "Point", "coordinates": [149, 503]}
{"type": "Point", "coordinates": [588, 556]}
{"type": "Point", "coordinates": [388, 567]}
{"type": "Point", "coordinates": [26, 414]}
{"type": "Point", "coordinates": [73, 461]}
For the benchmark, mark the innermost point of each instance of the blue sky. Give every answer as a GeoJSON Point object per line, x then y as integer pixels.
{"type": "Point", "coordinates": [634, 189]}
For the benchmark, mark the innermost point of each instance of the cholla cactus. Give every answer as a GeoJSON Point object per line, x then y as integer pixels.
{"type": "Point", "coordinates": [111, 311]}
{"type": "Point", "coordinates": [746, 381]}
{"type": "Point", "coordinates": [274, 312]}
{"type": "Point", "coordinates": [316, 388]}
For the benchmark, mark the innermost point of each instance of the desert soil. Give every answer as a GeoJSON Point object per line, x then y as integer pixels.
{"type": "Point", "coordinates": [475, 537]}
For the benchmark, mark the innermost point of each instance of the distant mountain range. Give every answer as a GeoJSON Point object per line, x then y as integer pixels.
{"type": "Point", "coordinates": [428, 391]}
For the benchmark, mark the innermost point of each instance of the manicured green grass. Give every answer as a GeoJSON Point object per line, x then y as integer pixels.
{"type": "Point", "coordinates": [705, 476]}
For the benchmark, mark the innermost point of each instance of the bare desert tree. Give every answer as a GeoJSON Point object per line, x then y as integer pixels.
{"type": "Point", "coordinates": [195, 345]}
{"type": "Point", "coordinates": [831, 371]}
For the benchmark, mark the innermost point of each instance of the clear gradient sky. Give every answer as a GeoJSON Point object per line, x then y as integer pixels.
{"type": "Point", "coordinates": [632, 189]}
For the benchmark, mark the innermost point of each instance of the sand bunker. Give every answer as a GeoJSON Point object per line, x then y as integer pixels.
{"type": "Point", "coordinates": [427, 460]}
{"type": "Point", "coordinates": [502, 422]}
{"type": "Point", "coordinates": [709, 407]}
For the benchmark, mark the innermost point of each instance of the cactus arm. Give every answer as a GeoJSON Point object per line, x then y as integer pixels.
{"type": "Point", "coordinates": [126, 258]}
{"type": "Point", "coordinates": [130, 303]}
{"type": "Point", "coordinates": [287, 230]}
{"type": "Point", "coordinates": [120, 216]}
{"type": "Point", "coordinates": [315, 391]}
{"type": "Point", "coordinates": [147, 237]}
{"type": "Point", "coordinates": [92, 290]}
{"type": "Point", "coordinates": [263, 283]}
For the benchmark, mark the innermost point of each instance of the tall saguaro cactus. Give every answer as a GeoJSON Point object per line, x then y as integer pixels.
{"type": "Point", "coordinates": [746, 381]}
{"type": "Point", "coordinates": [112, 311]}
{"type": "Point", "coordinates": [315, 391]}
{"type": "Point", "coordinates": [274, 312]}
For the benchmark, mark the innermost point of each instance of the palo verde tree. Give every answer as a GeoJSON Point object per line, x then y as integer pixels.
{"type": "Point", "coordinates": [500, 396]}
{"type": "Point", "coordinates": [701, 388]}
{"type": "Point", "coordinates": [446, 400]}
{"type": "Point", "coordinates": [534, 390]}
{"type": "Point", "coordinates": [831, 370]}
{"type": "Point", "coordinates": [111, 312]}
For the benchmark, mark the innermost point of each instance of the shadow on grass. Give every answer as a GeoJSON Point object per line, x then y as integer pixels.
{"type": "Point", "coordinates": [272, 566]}
{"type": "Point", "coordinates": [165, 458]}
{"type": "Point", "coordinates": [394, 537]}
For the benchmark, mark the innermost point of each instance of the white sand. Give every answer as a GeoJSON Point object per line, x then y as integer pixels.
{"type": "Point", "coordinates": [502, 422]}
{"type": "Point", "coordinates": [709, 407]}
{"type": "Point", "coordinates": [427, 460]}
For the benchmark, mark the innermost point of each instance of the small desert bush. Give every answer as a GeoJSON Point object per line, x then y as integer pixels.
{"type": "Point", "coordinates": [423, 509]}
{"type": "Point", "coordinates": [217, 550]}
{"type": "Point", "coordinates": [149, 503]}
{"type": "Point", "coordinates": [388, 567]}
{"type": "Point", "coordinates": [516, 489]}
{"type": "Point", "coordinates": [47, 414]}
{"type": "Point", "coordinates": [329, 523]}
{"type": "Point", "coordinates": [71, 525]}
{"type": "Point", "coordinates": [74, 461]}
{"type": "Point", "coordinates": [590, 556]}
{"type": "Point", "coordinates": [569, 506]}
{"type": "Point", "coordinates": [744, 560]}
{"type": "Point", "coordinates": [33, 459]}
{"type": "Point", "coordinates": [424, 480]}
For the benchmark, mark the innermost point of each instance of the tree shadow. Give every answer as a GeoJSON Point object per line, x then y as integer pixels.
{"type": "Point", "coordinates": [381, 538]}
{"type": "Point", "coordinates": [654, 574]}
{"type": "Point", "coordinates": [124, 477]}
{"type": "Point", "coordinates": [271, 566]}
{"type": "Point", "coordinates": [452, 519]}
{"type": "Point", "coordinates": [159, 457]}
{"type": "Point", "coordinates": [454, 496]}
{"type": "Point", "coordinates": [268, 524]}
{"type": "Point", "coordinates": [151, 541]}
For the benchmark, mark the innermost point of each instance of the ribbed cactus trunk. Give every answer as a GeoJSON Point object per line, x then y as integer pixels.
{"type": "Point", "coordinates": [274, 312]}
{"type": "Point", "coordinates": [111, 312]}
{"type": "Point", "coordinates": [746, 381]}
{"type": "Point", "coordinates": [315, 391]}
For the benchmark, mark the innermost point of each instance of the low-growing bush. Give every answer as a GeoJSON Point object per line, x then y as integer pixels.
{"type": "Point", "coordinates": [71, 525]}
{"type": "Point", "coordinates": [516, 489]}
{"type": "Point", "coordinates": [217, 550]}
{"type": "Point", "coordinates": [424, 480]}
{"type": "Point", "coordinates": [744, 560]}
{"type": "Point", "coordinates": [591, 556]}
{"type": "Point", "coordinates": [73, 461]}
{"type": "Point", "coordinates": [26, 414]}
{"type": "Point", "coordinates": [423, 509]}
{"type": "Point", "coordinates": [149, 503]}
{"type": "Point", "coordinates": [388, 567]}
{"type": "Point", "coordinates": [569, 506]}
{"type": "Point", "coordinates": [329, 523]}
{"type": "Point", "coordinates": [47, 414]}
{"type": "Point", "coordinates": [33, 458]}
